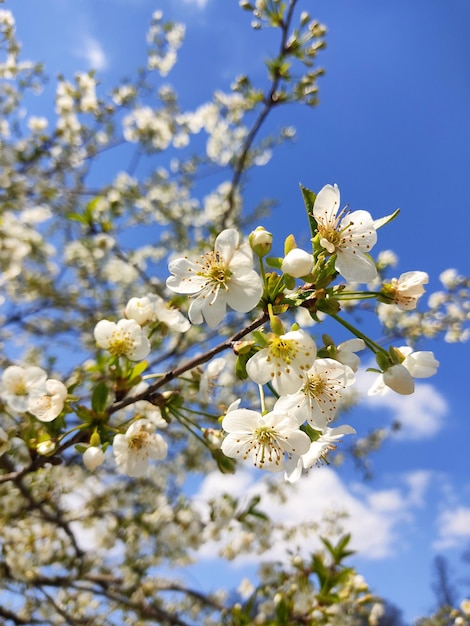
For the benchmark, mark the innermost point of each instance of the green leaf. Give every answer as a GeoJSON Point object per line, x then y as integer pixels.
{"type": "Point", "coordinates": [309, 200]}
{"type": "Point", "coordinates": [137, 370]}
{"type": "Point", "coordinates": [99, 397]}
{"type": "Point", "coordinates": [385, 220]}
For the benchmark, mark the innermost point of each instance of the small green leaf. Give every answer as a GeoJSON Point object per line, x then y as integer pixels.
{"type": "Point", "coordinates": [99, 397]}
{"type": "Point", "coordinates": [385, 220]}
{"type": "Point", "coordinates": [309, 200]}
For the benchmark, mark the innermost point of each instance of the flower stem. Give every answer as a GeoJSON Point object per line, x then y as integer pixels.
{"type": "Point", "coordinates": [372, 345]}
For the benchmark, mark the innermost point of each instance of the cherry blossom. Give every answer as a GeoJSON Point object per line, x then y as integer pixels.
{"type": "Point", "coordinates": [316, 453]}
{"type": "Point", "coordinates": [348, 235]}
{"type": "Point", "coordinates": [220, 278]}
{"type": "Point", "coordinates": [318, 400]}
{"type": "Point", "coordinates": [124, 338]}
{"type": "Point", "coordinates": [264, 439]}
{"type": "Point", "coordinates": [346, 353]}
{"type": "Point", "coordinates": [137, 447]}
{"type": "Point", "coordinates": [18, 382]}
{"type": "Point", "coordinates": [46, 402]}
{"type": "Point", "coordinates": [400, 376]}
{"type": "Point", "coordinates": [151, 308]}
{"type": "Point", "coordinates": [284, 361]}
{"type": "Point", "coordinates": [406, 290]}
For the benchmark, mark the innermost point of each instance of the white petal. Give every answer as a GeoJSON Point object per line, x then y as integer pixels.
{"type": "Point", "coordinates": [241, 421]}
{"type": "Point", "coordinates": [355, 267]}
{"type": "Point", "coordinates": [244, 293]}
{"type": "Point", "coordinates": [399, 379]}
{"type": "Point", "coordinates": [103, 332]}
{"type": "Point", "coordinates": [226, 244]}
{"type": "Point", "coordinates": [293, 469]}
{"type": "Point", "coordinates": [259, 368]}
{"type": "Point", "coordinates": [326, 204]}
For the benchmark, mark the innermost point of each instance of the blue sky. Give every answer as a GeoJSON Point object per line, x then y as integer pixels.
{"type": "Point", "coordinates": [392, 130]}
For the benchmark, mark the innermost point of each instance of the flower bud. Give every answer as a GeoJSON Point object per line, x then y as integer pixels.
{"type": "Point", "coordinates": [93, 457]}
{"type": "Point", "coordinates": [260, 241]}
{"type": "Point", "coordinates": [297, 263]}
{"type": "Point", "coordinates": [44, 448]}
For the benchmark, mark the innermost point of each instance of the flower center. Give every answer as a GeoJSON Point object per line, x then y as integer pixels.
{"type": "Point", "coordinates": [285, 349]}
{"type": "Point", "coordinates": [329, 238]}
{"type": "Point", "coordinates": [267, 446]}
{"type": "Point", "coordinates": [139, 440]}
{"type": "Point", "coordinates": [19, 388]}
{"type": "Point", "coordinates": [121, 343]}
{"type": "Point", "coordinates": [215, 270]}
{"type": "Point", "coordinates": [315, 386]}
{"type": "Point", "coordinates": [331, 234]}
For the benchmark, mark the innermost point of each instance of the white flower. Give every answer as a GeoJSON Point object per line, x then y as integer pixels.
{"type": "Point", "coordinates": [93, 457]}
{"type": "Point", "coordinates": [345, 353]}
{"type": "Point", "coordinates": [264, 439]}
{"type": "Point", "coordinates": [348, 235]}
{"type": "Point", "coordinates": [245, 589]}
{"type": "Point", "coordinates": [5, 443]}
{"type": "Point", "coordinates": [222, 277]}
{"type": "Point", "coordinates": [18, 382]}
{"type": "Point", "coordinates": [140, 309]}
{"type": "Point", "coordinates": [139, 444]}
{"type": "Point", "coordinates": [151, 308]}
{"type": "Point", "coordinates": [126, 338]}
{"type": "Point", "coordinates": [46, 403]}
{"type": "Point", "coordinates": [297, 263]}
{"type": "Point", "coordinates": [172, 318]}
{"type": "Point", "coordinates": [450, 278]}
{"type": "Point", "coordinates": [407, 289]}
{"type": "Point", "coordinates": [284, 361]}
{"type": "Point", "coordinates": [420, 364]}
{"type": "Point", "coordinates": [316, 453]}
{"type": "Point", "coordinates": [399, 377]}
{"type": "Point", "coordinates": [318, 399]}
{"type": "Point", "coordinates": [207, 382]}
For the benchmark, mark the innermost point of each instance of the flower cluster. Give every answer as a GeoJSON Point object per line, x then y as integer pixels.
{"type": "Point", "coordinates": [28, 390]}
{"type": "Point", "coordinates": [309, 384]}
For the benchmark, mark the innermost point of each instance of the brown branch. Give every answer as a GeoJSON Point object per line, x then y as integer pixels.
{"type": "Point", "coordinates": [270, 101]}
{"type": "Point", "coordinates": [199, 360]}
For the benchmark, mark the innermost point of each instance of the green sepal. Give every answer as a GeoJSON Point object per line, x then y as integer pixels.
{"type": "Point", "coordinates": [225, 464]}
{"type": "Point", "coordinates": [328, 305]}
{"type": "Point", "coordinates": [260, 338]}
{"type": "Point", "coordinates": [289, 244]}
{"type": "Point", "coordinates": [99, 397]}
{"type": "Point", "coordinates": [289, 281]}
{"type": "Point", "coordinates": [274, 262]}
{"type": "Point", "coordinates": [277, 326]}
{"type": "Point", "coordinates": [240, 365]}
{"type": "Point", "coordinates": [83, 412]}
{"type": "Point", "coordinates": [383, 361]}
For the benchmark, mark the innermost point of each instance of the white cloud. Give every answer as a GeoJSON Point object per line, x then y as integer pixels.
{"type": "Point", "coordinates": [92, 51]}
{"type": "Point", "coordinates": [201, 4]}
{"type": "Point", "coordinates": [454, 527]}
{"type": "Point", "coordinates": [374, 518]}
{"type": "Point", "coordinates": [421, 414]}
